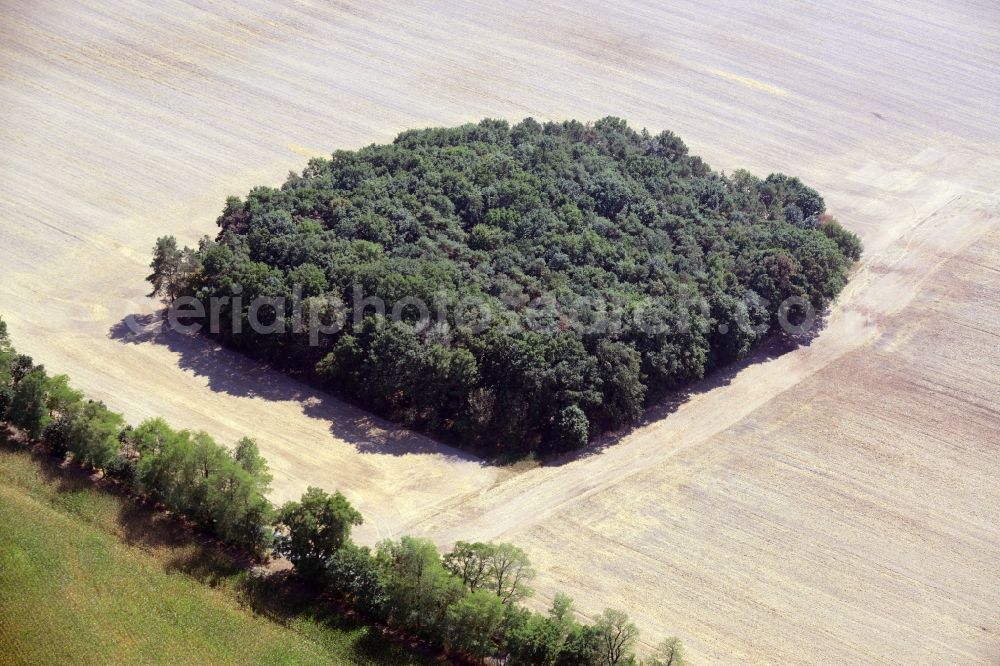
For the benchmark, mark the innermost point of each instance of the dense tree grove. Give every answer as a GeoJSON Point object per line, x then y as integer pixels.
{"type": "Point", "coordinates": [570, 273]}
{"type": "Point", "coordinates": [466, 602]}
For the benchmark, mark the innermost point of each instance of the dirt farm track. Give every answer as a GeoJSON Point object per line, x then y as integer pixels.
{"type": "Point", "coordinates": [839, 503]}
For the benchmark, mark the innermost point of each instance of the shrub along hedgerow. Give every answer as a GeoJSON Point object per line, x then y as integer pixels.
{"type": "Point", "coordinates": [466, 602]}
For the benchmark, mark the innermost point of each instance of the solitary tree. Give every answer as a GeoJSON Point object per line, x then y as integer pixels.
{"type": "Point", "coordinates": [170, 266]}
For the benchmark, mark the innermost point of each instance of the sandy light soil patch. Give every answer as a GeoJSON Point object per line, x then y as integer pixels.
{"type": "Point", "coordinates": [835, 503]}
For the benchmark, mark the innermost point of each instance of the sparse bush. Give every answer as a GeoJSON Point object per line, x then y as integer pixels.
{"type": "Point", "coordinates": [122, 468]}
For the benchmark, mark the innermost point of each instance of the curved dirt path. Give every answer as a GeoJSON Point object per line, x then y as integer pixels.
{"type": "Point", "coordinates": [835, 503]}
{"type": "Point", "coordinates": [883, 286]}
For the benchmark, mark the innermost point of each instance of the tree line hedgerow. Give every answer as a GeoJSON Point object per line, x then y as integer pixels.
{"type": "Point", "coordinates": [466, 602]}
{"type": "Point", "coordinates": [603, 266]}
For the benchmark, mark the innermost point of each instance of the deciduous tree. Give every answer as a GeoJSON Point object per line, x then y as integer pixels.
{"type": "Point", "coordinates": [617, 637]}
{"type": "Point", "coordinates": [93, 434]}
{"type": "Point", "coordinates": [314, 528]}
{"type": "Point", "coordinates": [27, 406]}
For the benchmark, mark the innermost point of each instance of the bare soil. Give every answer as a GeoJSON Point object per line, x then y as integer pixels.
{"type": "Point", "coordinates": [835, 503]}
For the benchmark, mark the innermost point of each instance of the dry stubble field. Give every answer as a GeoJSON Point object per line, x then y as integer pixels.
{"type": "Point", "coordinates": [837, 503]}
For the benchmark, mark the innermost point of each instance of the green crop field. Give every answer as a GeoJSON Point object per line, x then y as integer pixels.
{"type": "Point", "coordinates": [87, 577]}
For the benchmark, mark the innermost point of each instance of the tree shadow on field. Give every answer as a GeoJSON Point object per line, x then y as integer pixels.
{"type": "Point", "coordinates": [227, 371]}
{"type": "Point", "coordinates": [281, 596]}
{"type": "Point", "coordinates": [135, 522]}
{"type": "Point", "coordinates": [273, 592]}
{"type": "Point", "coordinates": [772, 347]}
{"type": "Point", "coordinates": [56, 471]}
{"type": "Point", "coordinates": [180, 547]}
{"type": "Point", "coordinates": [235, 374]}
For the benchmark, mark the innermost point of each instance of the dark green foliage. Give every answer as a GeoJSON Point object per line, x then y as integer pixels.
{"type": "Point", "coordinates": [849, 243]}
{"type": "Point", "coordinates": [582, 646]}
{"type": "Point", "coordinates": [56, 434]}
{"type": "Point", "coordinates": [122, 468]}
{"type": "Point", "coordinates": [27, 406]}
{"type": "Point", "coordinates": [623, 390]}
{"type": "Point", "coordinates": [20, 365]}
{"type": "Point", "coordinates": [171, 267]}
{"type": "Point", "coordinates": [6, 397]}
{"type": "Point", "coordinates": [315, 528]}
{"type": "Point", "coordinates": [92, 434]}
{"type": "Point", "coordinates": [472, 624]}
{"type": "Point", "coordinates": [21, 407]}
{"type": "Point", "coordinates": [353, 574]}
{"type": "Point", "coordinates": [603, 261]}
{"type": "Point", "coordinates": [737, 329]}
{"type": "Point", "coordinates": [572, 428]}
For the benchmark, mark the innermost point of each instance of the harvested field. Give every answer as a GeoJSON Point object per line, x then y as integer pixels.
{"type": "Point", "coordinates": [834, 503]}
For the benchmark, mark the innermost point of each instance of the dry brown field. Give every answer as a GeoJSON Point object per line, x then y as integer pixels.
{"type": "Point", "coordinates": [837, 503]}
